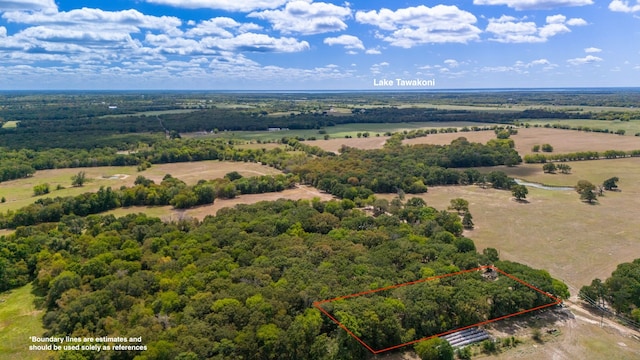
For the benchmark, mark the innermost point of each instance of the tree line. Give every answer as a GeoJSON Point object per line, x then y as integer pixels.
{"type": "Point", "coordinates": [171, 191]}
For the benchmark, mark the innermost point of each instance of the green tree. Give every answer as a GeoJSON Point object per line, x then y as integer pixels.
{"type": "Point", "coordinates": [535, 148]}
{"type": "Point", "coordinates": [586, 190]}
{"type": "Point", "coordinates": [79, 179]}
{"type": "Point", "coordinates": [519, 192]}
{"type": "Point", "coordinates": [564, 168]}
{"type": "Point", "coordinates": [547, 148]}
{"type": "Point", "coordinates": [611, 183]}
{"type": "Point", "coordinates": [549, 168]}
{"type": "Point", "coordinates": [41, 189]}
{"type": "Point", "coordinates": [434, 349]}
{"type": "Point", "coordinates": [467, 221]}
{"type": "Point", "coordinates": [460, 205]}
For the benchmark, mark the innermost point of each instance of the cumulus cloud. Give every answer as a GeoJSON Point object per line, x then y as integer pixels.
{"type": "Point", "coordinates": [592, 50]}
{"type": "Point", "coordinates": [534, 4]}
{"type": "Point", "coordinates": [348, 41]}
{"type": "Point", "coordinates": [520, 67]}
{"type": "Point", "coordinates": [220, 26]}
{"type": "Point", "coordinates": [306, 18]}
{"type": "Point", "coordinates": [589, 59]}
{"type": "Point", "coordinates": [413, 26]}
{"type": "Point", "coordinates": [37, 5]}
{"type": "Point", "coordinates": [129, 20]}
{"type": "Point", "coordinates": [250, 42]}
{"type": "Point", "coordinates": [228, 5]}
{"type": "Point", "coordinates": [508, 29]}
{"type": "Point", "coordinates": [3, 31]}
{"type": "Point", "coordinates": [373, 52]}
{"type": "Point", "coordinates": [451, 63]}
{"type": "Point", "coordinates": [624, 6]}
{"type": "Point", "coordinates": [377, 68]}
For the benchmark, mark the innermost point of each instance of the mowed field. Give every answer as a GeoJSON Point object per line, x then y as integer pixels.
{"type": "Point", "coordinates": [19, 193]}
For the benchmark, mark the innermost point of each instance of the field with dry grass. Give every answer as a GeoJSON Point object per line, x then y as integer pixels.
{"type": "Point", "coordinates": [563, 141]}
{"type": "Point", "coordinates": [168, 213]}
{"type": "Point", "coordinates": [19, 193]}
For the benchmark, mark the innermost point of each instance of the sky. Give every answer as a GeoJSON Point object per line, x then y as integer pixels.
{"type": "Point", "coordinates": [318, 45]}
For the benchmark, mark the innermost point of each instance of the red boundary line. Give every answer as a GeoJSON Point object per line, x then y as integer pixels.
{"type": "Point", "coordinates": [317, 304]}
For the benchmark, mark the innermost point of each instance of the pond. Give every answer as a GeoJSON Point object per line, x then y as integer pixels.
{"type": "Point", "coordinates": [544, 187]}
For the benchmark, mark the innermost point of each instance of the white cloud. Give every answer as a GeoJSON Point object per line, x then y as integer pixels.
{"type": "Point", "coordinates": [38, 5]}
{"type": "Point", "coordinates": [422, 25]}
{"type": "Point", "coordinates": [307, 18]}
{"type": "Point", "coordinates": [377, 68]}
{"type": "Point", "coordinates": [220, 27]}
{"type": "Point", "coordinates": [228, 5]}
{"type": "Point", "coordinates": [250, 42]}
{"type": "Point", "coordinates": [534, 4]}
{"type": "Point", "coordinates": [592, 50]}
{"type": "Point", "coordinates": [577, 22]}
{"type": "Point", "coordinates": [451, 63]}
{"type": "Point", "coordinates": [373, 52]}
{"type": "Point", "coordinates": [589, 59]}
{"type": "Point", "coordinates": [508, 29]}
{"type": "Point", "coordinates": [520, 67]}
{"type": "Point", "coordinates": [3, 31]}
{"type": "Point", "coordinates": [131, 20]}
{"type": "Point", "coordinates": [348, 41]}
{"type": "Point", "coordinates": [623, 6]}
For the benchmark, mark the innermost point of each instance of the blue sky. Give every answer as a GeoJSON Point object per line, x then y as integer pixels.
{"type": "Point", "coordinates": [316, 45]}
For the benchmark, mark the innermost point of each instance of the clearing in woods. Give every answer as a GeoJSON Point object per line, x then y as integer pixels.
{"type": "Point", "coordinates": [19, 193]}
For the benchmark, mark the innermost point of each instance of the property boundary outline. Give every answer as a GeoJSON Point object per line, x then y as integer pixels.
{"type": "Point", "coordinates": [317, 305]}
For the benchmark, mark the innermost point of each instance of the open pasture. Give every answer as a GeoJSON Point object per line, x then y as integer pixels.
{"type": "Point", "coordinates": [339, 131]}
{"type": "Point", "coordinates": [574, 241]}
{"type": "Point", "coordinates": [563, 141]}
{"type": "Point", "coordinates": [20, 319]}
{"type": "Point", "coordinates": [169, 213]}
{"type": "Point", "coordinates": [10, 124]}
{"type": "Point", "coordinates": [19, 193]}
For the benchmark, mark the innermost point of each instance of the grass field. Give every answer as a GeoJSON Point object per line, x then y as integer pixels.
{"type": "Point", "coordinates": [563, 141]}
{"type": "Point", "coordinates": [19, 193]}
{"type": "Point", "coordinates": [168, 213]}
{"type": "Point", "coordinates": [340, 131]}
{"type": "Point", "coordinates": [19, 319]}
{"type": "Point", "coordinates": [574, 241]}
{"type": "Point", "coordinates": [10, 124]}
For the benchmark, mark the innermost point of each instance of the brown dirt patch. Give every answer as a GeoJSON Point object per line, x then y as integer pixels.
{"type": "Point", "coordinates": [334, 145]}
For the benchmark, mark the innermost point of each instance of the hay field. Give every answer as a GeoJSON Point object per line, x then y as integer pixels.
{"type": "Point", "coordinates": [563, 141]}
{"type": "Point", "coordinates": [19, 193]}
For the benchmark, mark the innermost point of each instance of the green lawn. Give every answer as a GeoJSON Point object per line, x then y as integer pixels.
{"type": "Point", "coordinates": [19, 319]}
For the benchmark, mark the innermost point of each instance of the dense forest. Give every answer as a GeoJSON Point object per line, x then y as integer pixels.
{"type": "Point", "coordinates": [241, 284]}
{"type": "Point", "coordinates": [408, 168]}
{"type": "Point", "coordinates": [621, 291]}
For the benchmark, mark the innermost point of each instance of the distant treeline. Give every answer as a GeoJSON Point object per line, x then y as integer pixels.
{"type": "Point", "coordinates": [171, 191]}
{"type": "Point", "coordinates": [580, 155]}
{"type": "Point", "coordinates": [234, 120]}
